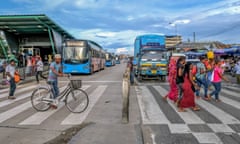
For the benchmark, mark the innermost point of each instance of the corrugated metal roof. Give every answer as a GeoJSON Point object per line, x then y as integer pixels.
{"type": "Point", "coordinates": [30, 24]}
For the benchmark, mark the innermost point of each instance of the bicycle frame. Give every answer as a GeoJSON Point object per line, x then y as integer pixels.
{"type": "Point", "coordinates": [63, 93]}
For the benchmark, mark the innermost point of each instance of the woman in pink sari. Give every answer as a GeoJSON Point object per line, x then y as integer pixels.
{"type": "Point", "coordinates": [173, 92]}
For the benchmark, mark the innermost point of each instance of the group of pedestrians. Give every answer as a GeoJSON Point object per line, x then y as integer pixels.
{"type": "Point", "coordinates": [185, 84]}
{"type": "Point", "coordinates": [54, 72]}
{"type": "Point", "coordinates": [12, 74]}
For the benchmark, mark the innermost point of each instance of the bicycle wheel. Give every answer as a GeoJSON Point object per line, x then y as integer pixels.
{"type": "Point", "coordinates": [77, 101]}
{"type": "Point", "coordinates": [41, 99]}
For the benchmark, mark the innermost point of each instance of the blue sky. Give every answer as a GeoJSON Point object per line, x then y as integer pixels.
{"type": "Point", "coordinates": [114, 24]}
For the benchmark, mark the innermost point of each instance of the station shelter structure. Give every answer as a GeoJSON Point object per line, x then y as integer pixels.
{"type": "Point", "coordinates": [31, 35]}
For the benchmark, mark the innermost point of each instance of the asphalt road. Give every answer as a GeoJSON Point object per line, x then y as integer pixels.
{"type": "Point", "coordinates": [151, 120]}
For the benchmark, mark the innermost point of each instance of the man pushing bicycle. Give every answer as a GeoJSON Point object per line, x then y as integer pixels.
{"type": "Point", "coordinates": [55, 71]}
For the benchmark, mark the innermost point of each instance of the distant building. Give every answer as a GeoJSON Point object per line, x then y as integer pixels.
{"type": "Point", "coordinates": [202, 45]}
{"type": "Point", "coordinates": [171, 41]}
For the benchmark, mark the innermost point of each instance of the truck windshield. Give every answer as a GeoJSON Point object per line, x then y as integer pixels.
{"type": "Point", "coordinates": [75, 54]}
{"type": "Point", "coordinates": [154, 56]}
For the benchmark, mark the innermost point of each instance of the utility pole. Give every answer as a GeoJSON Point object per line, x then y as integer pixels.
{"type": "Point", "coordinates": [194, 39]}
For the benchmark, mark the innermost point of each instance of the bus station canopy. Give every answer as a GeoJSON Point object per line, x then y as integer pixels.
{"type": "Point", "coordinates": [30, 24]}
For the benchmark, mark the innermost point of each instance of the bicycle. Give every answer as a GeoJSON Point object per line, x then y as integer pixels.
{"type": "Point", "coordinates": [75, 98]}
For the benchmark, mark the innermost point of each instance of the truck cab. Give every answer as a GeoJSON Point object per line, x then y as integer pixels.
{"type": "Point", "coordinates": [152, 65]}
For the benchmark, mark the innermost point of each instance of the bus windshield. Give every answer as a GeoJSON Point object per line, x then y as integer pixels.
{"type": "Point", "coordinates": [108, 57]}
{"type": "Point", "coordinates": [153, 56]}
{"type": "Point", "coordinates": [75, 54]}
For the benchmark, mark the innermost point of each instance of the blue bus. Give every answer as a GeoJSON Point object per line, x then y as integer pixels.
{"type": "Point", "coordinates": [110, 59]}
{"type": "Point", "coordinates": [150, 57]}
{"type": "Point", "coordinates": [82, 57]}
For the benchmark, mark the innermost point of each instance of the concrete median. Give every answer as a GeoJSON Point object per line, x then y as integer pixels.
{"type": "Point", "coordinates": [125, 96]}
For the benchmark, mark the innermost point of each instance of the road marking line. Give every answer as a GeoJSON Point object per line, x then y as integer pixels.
{"type": "Point", "coordinates": [14, 111]}
{"type": "Point", "coordinates": [179, 129]}
{"type": "Point", "coordinates": [207, 138]}
{"type": "Point", "coordinates": [150, 111]}
{"type": "Point", "coordinates": [62, 81]}
{"type": "Point", "coordinates": [227, 100]}
{"type": "Point", "coordinates": [102, 81]}
{"type": "Point", "coordinates": [218, 113]}
{"type": "Point", "coordinates": [230, 102]}
{"type": "Point", "coordinates": [189, 117]}
{"type": "Point", "coordinates": [74, 119]}
{"type": "Point", "coordinates": [18, 98]}
{"type": "Point", "coordinates": [39, 117]}
{"type": "Point", "coordinates": [18, 90]}
{"type": "Point", "coordinates": [220, 128]}
{"type": "Point", "coordinates": [235, 94]}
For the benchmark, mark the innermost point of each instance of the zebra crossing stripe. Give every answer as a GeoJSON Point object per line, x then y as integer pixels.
{"type": "Point", "coordinates": [227, 100]}
{"type": "Point", "coordinates": [235, 94]}
{"type": "Point", "coordinates": [18, 90]}
{"type": "Point", "coordinates": [4, 90]}
{"type": "Point", "coordinates": [218, 113]}
{"type": "Point", "coordinates": [8, 102]}
{"type": "Point", "coordinates": [221, 128]}
{"type": "Point", "coordinates": [179, 128]}
{"type": "Point", "coordinates": [18, 98]}
{"type": "Point", "coordinates": [39, 117]}
{"type": "Point", "coordinates": [74, 119]}
{"type": "Point", "coordinates": [230, 102]}
{"type": "Point", "coordinates": [207, 138]}
{"type": "Point", "coordinates": [189, 117]}
{"type": "Point", "coordinates": [14, 111]}
{"type": "Point", "coordinates": [150, 111]}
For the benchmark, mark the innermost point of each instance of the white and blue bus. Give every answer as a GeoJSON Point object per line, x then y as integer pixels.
{"type": "Point", "coordinates": [82, 57]}
{"type": "Point", "coordinates": [110, 59]}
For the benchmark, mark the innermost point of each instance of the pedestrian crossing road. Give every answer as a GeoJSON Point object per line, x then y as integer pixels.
{"type": "Point", "coordinates": [215, 123]}
{"type": "Point", "coordinates": [161, 123]}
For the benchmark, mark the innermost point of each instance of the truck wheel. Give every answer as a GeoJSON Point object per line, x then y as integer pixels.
{"type": "Point", "coordinates": [140, 78]}
{"type": "Point", "coordinates": [163, 78]}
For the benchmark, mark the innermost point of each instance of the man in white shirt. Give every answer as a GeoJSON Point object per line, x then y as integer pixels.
{"type": "Point", "coordinates": [10, 71]}
{"type": "Point", "coordinates": [39, 66]}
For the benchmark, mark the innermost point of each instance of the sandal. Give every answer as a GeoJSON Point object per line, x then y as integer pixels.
{"type": "Point", "coordinates": [198, 97]}
{"type": "Point", "coordinates": [181, 110]}
{"type": "Point", "coordinates": [206, 98]}
{"type": "Point", "coordinates": [196, 109]}
{"type": "Point", "coordinates": [209, 97]}
{"type": "Point", "coordinates": [165, 98]}
{"type": "Point", "coordinates": [218, 100]}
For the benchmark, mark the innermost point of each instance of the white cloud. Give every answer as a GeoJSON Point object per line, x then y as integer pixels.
{"type": "Point", "coordinates": [106, 34]}
{"type": "Point", "coordinates": [91, 3]}
{"type": "Point", "coordinates": [183, 21]}
{"type": "Point", "coordinates": [122, 50]}
{"type": "Point", "coordinates": [54, 3]}
{"type": "Point", "coordinates": [203, 12]}
{"type": "Point", "coordinates": [130, 18]}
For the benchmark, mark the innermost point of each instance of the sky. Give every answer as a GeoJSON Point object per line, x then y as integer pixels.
{"type": "Point", "coordinates": [114, 24]}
